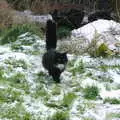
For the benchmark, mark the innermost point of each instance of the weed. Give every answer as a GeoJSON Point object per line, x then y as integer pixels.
{"type": "Point", "coordinates": [91, 92]}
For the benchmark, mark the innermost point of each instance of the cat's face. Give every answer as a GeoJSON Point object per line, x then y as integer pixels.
{"type": "Point", "coordinates": [61, 58]}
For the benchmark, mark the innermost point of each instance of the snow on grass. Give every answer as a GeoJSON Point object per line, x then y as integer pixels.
{"type": "Point", "coordinates": [41, 97]}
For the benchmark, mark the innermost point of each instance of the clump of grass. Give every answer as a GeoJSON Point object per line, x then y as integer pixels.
{"type": "Point", "coordinates": [112, 101]}
{"type": "Point", "coordinates": [103, 50]}
{"type": "Point", "coordinates": [60, 116]}
{"type": "Point", "coordinates": [111, 116]}
{"type": "Point", "coordinates": [18, 80]}
{"type": "Point", "coordinates": [11, 34]}
{"type": "Point", "coordinates": [16, 63]}
{"type": "Point", "coordinates": [56, 90]}
{"type": "Point", "coordinates": [96, 50]}
{"type": "Point", "coordinates": [78, 67]}
{"type": "Point", "coordinates": [17, 112]}
{"type": "Point", "coordinates": [68, 99]}
{"type": "Point", "coordinates": [1, 73]}
{"type": "Point", "coordinates": [91, 92]}
{"type": "Point", "coordinates": [9, 95]}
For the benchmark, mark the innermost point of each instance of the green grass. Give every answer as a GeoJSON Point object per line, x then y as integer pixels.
{"type": "Point", "coordinates": [110, 116]}
{"type": "Point", "coordinates": [56, 90]}
{"type": "Point", "coordinates": [16, 63]}
{"type": "Point", "coordinates": [112, 101]}
{"type": "Point", "coordinates": [8, 95]}
{"type": "Point", "coordinates": [91, 92]}
{"type": "Point", "coordinates": [60, 116]}
{"type": "Point", "coordinates": [18, 80]}
{"type": "Point", "coordinates": [79, 68]}
{"type": "Point", "coordinates": [68, 99]}
{"type": "Point", "coordinates": [11, 34]}
{"type": "Point", "coordinates": [16, 112]}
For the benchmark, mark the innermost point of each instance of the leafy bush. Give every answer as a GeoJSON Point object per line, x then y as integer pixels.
{"type": "Point", "coordinates": [91, 92]}
{"type": "Point", "coordinates": [11, 34]}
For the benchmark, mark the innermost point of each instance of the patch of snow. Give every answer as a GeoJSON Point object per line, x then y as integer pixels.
{"type": "Point", "coordinates": [110, 94]}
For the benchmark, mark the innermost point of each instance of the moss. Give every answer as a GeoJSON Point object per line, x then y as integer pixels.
{"type": "Point", "coordinates": [91, 92]}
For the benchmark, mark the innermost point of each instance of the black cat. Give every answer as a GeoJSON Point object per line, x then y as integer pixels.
{"type": "Point", "coordinates": [52, 60]}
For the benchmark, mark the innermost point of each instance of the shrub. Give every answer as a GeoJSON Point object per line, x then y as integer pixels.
{"type": "Point", "coordinates": [91, 92]}
{"type": "Point", "coordinates": [11, 34]}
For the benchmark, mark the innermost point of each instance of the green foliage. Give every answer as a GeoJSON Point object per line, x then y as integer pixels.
{"type": "Point", "coordinates": [11, 34]}
{"type": "Point", "coordinates": [60, 116]}
{"type": "Point", "coordinates": [63, 32]}
{"type": "Point", "coordinates": [91, 92]}
{"type": "Point", "coordinates": [68, 99]}
{"type": "Point", "coordinates": [112, 101]}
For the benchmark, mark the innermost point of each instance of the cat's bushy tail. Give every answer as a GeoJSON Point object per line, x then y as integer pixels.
{"type": "Point", "coordinates": [51, 38]}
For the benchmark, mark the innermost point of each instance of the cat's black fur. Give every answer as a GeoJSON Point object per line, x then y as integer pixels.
{"type": "Point", "coordinates": [52, 59]}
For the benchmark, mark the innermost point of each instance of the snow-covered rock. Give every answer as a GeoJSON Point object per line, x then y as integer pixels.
{"type": "Point", "coordinates": [106, 31]}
